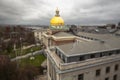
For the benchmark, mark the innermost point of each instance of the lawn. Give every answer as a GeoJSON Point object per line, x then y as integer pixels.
{"type": "Point", "coordinates": [25, 51]}
{"type": "Point", "coordinates": [37, 61]}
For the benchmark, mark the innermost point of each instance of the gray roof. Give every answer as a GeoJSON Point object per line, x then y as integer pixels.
{"type": "Point", "coordinates": [63, 34]}
{"type": "Point", "coordinates": [90, 46]}
{"type": "Point", "coordinates": [92, 35]}
{"type": "Point", "coordinates": [104, 37]}
{"type": "Point", "coordinates": [118, 32]}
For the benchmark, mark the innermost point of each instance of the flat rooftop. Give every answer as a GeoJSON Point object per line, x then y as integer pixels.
{"type": "Point", "coordinates": [63, 34]}
{"type": "Point", "coordinates": [85, 46]}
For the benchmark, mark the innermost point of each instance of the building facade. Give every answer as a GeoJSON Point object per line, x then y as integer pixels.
{"type": "Point", "coordinates": [85, 59]}
{"type": "Point", "coordinates": [80, 56]}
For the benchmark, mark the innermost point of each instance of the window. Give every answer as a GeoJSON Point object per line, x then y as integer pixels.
{"type": "Point", "coordinates": [56, 51]}
{"type": "Point", "coordinates": [118, 51]}
{"type": "Point", "coordinates": [107, 78]}
{"type": "Point", "coordinates": [80, 77]}
{"type": "Point", "coordinates": [92, 55]}
{"type": "Point", "coordinates": [110, 53]}
{"type": "Point", "coordinates": [107, 69]}
{"type": "Point", "coordinates": [116, 67]}
{"type": "Point", "coordinates": [103, 54]}
{"type": "Point", "coordinates": [97, 55]}
{"type": "Point", "coordinates": [115, 77]}
{"type": "Point", "coordinates": [100, 54]}
{"type": "Point", "coordinates": [82, 58]}
{"type": "Point", "coordinates": [98, 72]}
{"type": "Point", "coordinates": [64, 58]}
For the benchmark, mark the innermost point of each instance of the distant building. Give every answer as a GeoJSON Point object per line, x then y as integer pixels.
{"type": "Point", "coordinates": [118, 26]}
{"type": "Point", "coordinates": [117, 33]}
{"type": "Point", "coordinates": [38, 34]}
{"type": "Point", "coordinates": [110, 26]}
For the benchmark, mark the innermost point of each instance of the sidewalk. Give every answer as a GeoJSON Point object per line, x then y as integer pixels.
{"type": "Point", "coordinates": [26, 47]}
{"type": "Point", "coordinates": [27, 55]}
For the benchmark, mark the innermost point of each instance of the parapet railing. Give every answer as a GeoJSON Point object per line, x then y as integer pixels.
{"type": "Point", "coordinates": [95, 61]}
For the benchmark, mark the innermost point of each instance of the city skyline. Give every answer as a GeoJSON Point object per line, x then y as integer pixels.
{"type": "Point", "coordinates": [73, 12]}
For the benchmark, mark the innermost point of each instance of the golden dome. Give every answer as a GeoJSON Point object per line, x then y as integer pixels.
{"type": "Point", "coordinates": [57, 20]}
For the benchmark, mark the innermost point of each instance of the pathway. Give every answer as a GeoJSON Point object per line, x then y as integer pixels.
{"type": "Point", "coordinates": [27, 55]}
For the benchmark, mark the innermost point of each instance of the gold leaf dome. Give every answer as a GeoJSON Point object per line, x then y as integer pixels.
{"type": "Point", "coordinates": [57, 20]}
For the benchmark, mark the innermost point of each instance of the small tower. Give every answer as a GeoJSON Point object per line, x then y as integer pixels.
{"type": "Point", "coordinates": [56, 22]}
{"type": "Point", "coordinates": [57, 13]}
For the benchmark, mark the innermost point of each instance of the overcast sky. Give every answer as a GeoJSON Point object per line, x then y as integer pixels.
{"type": "Point", "coordinates": [72, 11]}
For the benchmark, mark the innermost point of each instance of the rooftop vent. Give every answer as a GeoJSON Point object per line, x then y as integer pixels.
{"type": "Point", "coordinates": [75, 43]}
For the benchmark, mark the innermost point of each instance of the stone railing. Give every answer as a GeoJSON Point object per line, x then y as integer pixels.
{"type": "Point", "coordinates": [92, 62]}
{"type": "Point", "coordinates": [82, 64]}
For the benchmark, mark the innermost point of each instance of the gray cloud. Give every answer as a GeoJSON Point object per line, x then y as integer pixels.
{"type": "Point", "coordinates": [72, 11]}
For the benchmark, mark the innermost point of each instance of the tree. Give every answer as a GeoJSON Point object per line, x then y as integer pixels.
{"type": "Point", "coordinates": [27, 73]}
{"type": "Point", "coordinates": [7, 68]}
{"type": "Point", "coordinates": [10, 71]}
{"type": "Point", "coordinates": [9, 48]}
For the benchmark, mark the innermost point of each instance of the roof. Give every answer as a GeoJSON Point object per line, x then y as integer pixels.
{"type": "Point", "coordinates": [63, 34]}
{"type": "Point", "coordinates": [118, 32]}
{"type": "Point", "coordinates": [92, 35]}
{"type": "Point", "coordinates": [104, 37]}
{"type": "Point", "coordinates": [91, 46]}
